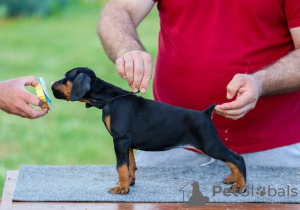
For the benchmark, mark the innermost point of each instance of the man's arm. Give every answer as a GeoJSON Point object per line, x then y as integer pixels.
{"type": "Point", "coordinates": [281, 77]}
{"type": "Point", "coordinates": [117, 31]}
{"type": "Point", "coordinates": [15, 99]}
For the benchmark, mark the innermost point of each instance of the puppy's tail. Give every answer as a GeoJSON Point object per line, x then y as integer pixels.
{"type": "Point", "coordinates": [210, 110]}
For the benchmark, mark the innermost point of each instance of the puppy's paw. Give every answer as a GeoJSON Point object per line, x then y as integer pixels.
{"type": "Point", "coordinates": [229, 180]}
{"type": "Point", "coordinates": [132, 181]}
{"type": "Point", "coordinates": [119, 190]}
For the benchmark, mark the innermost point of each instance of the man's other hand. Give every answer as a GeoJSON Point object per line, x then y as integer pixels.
{"type": "Point", "coordinates": [247, 90]}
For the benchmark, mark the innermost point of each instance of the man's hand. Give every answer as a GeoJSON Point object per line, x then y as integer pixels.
{"type": "Point", "coordinates": [281, 77]}
{"type": "Point", "coordinates": [15, 99]}
{"type": "Point", "coordinates": [247, 89]}
{"type": "Point", "coordinates": [135, 66]}
{"type": "Point", "coordinates": [117, 31]}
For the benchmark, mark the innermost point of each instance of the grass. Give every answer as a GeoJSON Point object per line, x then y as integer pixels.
{"type": "Point", "coordinates": [48, 47]}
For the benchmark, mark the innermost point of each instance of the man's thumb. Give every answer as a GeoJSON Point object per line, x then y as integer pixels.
{"type": "Point", "coordinates": [229, 96]}
{"type": "Point", "coordinates": [233, 86]}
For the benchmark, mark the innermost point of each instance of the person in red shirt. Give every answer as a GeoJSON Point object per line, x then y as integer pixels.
{"type": "Point", "coordinates": [243, 56]}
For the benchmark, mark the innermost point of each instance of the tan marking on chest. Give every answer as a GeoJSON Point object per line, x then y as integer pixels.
{"type": "Point", "coordinates": [84, 101]}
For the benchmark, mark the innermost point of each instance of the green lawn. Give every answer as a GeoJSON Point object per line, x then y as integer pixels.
{"type": "Point", "coordinates": [48, 47]}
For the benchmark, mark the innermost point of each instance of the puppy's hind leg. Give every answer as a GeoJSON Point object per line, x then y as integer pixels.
{"type": "Point", "coordinates": [236, 163]}
{"type": "Point", "coordinates": [237, 166]}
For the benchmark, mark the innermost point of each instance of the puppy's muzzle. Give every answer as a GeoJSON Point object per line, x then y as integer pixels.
{"type": "Point", "coordinates": [57, 92]}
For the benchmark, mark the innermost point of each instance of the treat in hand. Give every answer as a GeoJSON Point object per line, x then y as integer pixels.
{"type": "Point", "coordinates": [42, 93]}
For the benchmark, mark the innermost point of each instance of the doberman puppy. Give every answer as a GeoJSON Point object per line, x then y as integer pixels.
{"type": "Point", "coordinates": [138, 123]}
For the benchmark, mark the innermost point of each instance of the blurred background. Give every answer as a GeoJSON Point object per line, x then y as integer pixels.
{"type": "Point", "coordinates": [46, 39]}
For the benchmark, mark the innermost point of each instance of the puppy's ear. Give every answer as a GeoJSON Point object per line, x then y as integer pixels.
{"type": "Point", "coordinates": [81, 86]}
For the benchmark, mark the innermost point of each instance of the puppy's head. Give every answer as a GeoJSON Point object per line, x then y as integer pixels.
{"type": "Point", "coordinates": [75, 84]}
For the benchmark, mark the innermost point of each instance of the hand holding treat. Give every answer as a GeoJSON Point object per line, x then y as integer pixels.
{"type": "Point", "coordinates": [42, 93]}
{"type": "Point", "coordinates": [15, 99]}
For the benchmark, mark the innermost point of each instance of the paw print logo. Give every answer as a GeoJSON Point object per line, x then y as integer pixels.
{"type": "Point", "coordinates": [261, 191]}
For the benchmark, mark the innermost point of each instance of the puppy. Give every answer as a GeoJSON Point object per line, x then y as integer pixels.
{"type": "Point", "coordinates": [138, 123]}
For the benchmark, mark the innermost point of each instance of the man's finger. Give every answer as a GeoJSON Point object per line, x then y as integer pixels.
{"type": "Point", "coordinates": [18, 112]}
{"type": "Point", "coordinates": [234, 85]}
{"type": "Point", "coordinates": [234, 117]}
{"type": "Point", "coordinates": [34, 100]}
{"type": "Point", "coordinates": [120, 67]}
{"type": "Point", "coordinates": [128, 68]}
{"type": "Point", "coordinates": [41, 112]}
{"type": "Point", "coordinates": [32, 113]}
{"type": "Point", "coordinates": [137, 73]}
{"type": "Point", "coordinates": [148, 66]}
{"type": "Point", "coordinates": [30, 80]}
{"type": "Point", "coordinates": [234, 112]}
{"type": "Point", "coordinates": [240, 102]}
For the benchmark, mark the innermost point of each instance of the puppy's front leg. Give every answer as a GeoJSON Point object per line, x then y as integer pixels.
{"type": "Point", "coordinates": [122, 155]}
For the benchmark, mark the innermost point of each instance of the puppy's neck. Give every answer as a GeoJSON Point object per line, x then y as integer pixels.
{"type": "Point", "coordinates": [102, 92]}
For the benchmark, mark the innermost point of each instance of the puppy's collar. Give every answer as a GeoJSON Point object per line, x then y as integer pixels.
{"type": "Point", "coordinates": [107, 102]}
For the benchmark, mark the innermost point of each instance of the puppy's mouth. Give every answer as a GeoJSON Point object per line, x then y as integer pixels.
{"type": "Point", "coordinates": [59, 95]}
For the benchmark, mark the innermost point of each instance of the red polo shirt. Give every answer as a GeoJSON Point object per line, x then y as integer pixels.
{"type": "Point", "coordinates": [204, 43]}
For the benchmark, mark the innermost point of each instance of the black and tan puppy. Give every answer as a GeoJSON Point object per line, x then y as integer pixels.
{"type": "Point", "coordinates": [138, 123]}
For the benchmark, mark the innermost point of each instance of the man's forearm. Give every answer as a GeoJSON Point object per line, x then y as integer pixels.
{"type": "Point", "coordinates": [117, 31]}
{"type": "Point", "coordinates": [281, 77]}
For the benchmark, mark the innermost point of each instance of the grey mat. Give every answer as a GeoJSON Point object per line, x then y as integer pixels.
{"type": "Point", "coordinates": [154, 184]}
